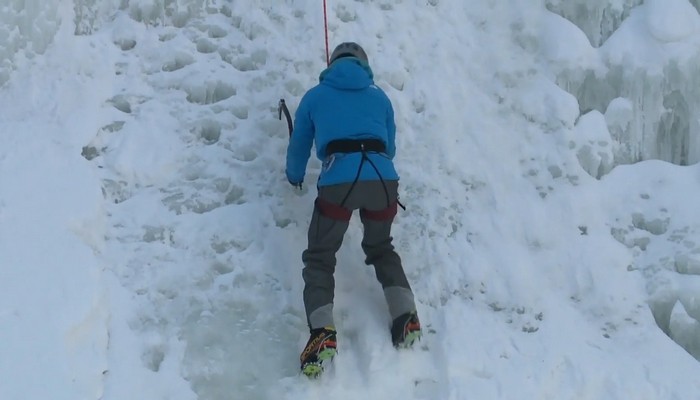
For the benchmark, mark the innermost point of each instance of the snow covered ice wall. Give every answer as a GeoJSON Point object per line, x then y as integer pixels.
{"type": "Point", "coordinates": [26, 27]}
{"type": "Point", "coordinates": [185, 140]}
{"type": "Point", "coordinates": [54, 310]}
{"type": "Point", "coordinates": [640, 72]}
{"type": "Point", "coordinates": [632, 66]}
{"type": "Point", "coordinates": [656, 120]}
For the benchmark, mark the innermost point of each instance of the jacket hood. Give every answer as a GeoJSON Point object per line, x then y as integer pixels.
{"type": "Point", "coordinates": [348, 73]}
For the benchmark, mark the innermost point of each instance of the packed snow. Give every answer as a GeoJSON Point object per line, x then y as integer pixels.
{"type": "Point", "coordinates": [150, 246]}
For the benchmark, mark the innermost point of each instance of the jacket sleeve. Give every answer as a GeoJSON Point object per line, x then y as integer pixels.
{"type": "Point", "coordinates": [391, 131]}
{"type": "Point", "coordinates": [299, 149]}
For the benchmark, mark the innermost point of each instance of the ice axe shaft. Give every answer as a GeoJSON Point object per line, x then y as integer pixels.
{"type": "Point", "coordinates": [282, 108]}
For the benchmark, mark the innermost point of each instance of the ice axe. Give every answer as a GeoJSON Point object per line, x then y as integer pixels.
{"type": "Point", "coordinates": [282, 108]}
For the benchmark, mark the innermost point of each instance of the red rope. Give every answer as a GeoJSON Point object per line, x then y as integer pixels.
{"type": "Point", "coordinates": [325, 26]}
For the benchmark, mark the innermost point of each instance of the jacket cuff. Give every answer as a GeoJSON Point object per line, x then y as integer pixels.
{"type": "Point", "coordinates": [294, 178]}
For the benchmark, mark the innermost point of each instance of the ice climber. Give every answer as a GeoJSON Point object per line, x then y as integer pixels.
{"type": "Point", "coordinates": [351, 122]}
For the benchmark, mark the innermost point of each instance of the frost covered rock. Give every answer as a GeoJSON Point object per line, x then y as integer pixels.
{"type": "Point", "coordinates": [564, 44]}
{"type": "Point", "coordinates": [685, 330]}
{"type": "Point", "coordinates": [619, 117]}
{"type": "Point", "coordinates": [687, 264]}
{"type": "Point", "coordinates": [671, 20]}
{"type": "Point", "coordinates": [598, 19]}
{"type": "Point", "coordinates": [594, 144]}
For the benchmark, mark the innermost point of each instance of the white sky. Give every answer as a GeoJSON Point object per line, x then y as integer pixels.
{"type": "Point", "coordinates": [150, 244]}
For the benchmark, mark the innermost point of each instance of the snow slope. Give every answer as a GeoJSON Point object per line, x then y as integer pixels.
{"type": "Point", "coordinates": [150, 245]}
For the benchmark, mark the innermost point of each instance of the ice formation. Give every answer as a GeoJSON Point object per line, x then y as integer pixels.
{"type": "Point", "coordinates": [646, 61]}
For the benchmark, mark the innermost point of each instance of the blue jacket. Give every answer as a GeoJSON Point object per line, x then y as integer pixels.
{"type": "Point", "coordinates": [346, 104]}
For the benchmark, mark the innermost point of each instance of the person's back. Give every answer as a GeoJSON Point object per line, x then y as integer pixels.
{"type": "Point", "coordinates": [351, 121]}
{"type": "Point", "coordinates": [346, 104]}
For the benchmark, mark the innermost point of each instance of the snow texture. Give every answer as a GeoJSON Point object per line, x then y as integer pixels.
{"type": "Point", "coordinates": [150, 244]}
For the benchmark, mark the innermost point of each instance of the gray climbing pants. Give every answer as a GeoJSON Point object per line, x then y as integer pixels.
{"type": "Point", "coordinates": [377, 203]}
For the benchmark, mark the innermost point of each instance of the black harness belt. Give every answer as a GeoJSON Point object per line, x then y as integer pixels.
{"type": "Point", "coordinates": [355, 146]}
{"type": "Point", "coordinates": [337, 211]}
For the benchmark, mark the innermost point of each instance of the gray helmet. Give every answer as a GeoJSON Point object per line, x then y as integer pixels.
{"type": "Point", "coordinates": [349, 49]}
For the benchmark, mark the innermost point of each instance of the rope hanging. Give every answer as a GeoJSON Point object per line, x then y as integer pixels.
{"type": "Point", "coordinates": [325, 28]}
